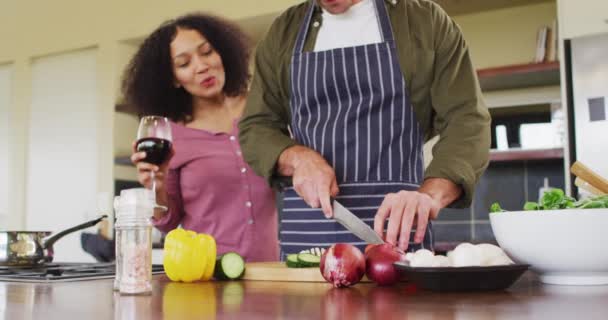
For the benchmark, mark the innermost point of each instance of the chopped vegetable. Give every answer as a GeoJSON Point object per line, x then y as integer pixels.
{"type": "Point", "coordinates": [292, 261]}
{"type": "Point", "coordinates": [308, 260]}
{"type": "Point", "coordinates": [316, 251]}
{"type": "Point", "coordinates": [229, 266]}
{"type": "Point", "coordinates": [305, 259]}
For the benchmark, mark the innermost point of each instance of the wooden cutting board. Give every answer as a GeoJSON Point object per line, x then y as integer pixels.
{"type": "Point", "coordinates": [278, 271]}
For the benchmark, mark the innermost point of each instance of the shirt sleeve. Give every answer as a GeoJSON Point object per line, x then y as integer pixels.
{"type": "Point", "coordinates": [174, 215]}
{"type": "Point", "coordinates": [461, 117]}
{"type": "Point", "coordinates": [263, 128]}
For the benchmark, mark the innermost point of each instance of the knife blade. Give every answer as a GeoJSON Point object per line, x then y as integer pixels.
{"type": "Point", "coordinates": [355, 225]}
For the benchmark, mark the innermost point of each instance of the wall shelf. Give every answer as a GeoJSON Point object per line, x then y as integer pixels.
{"type": "Point", "coordinates": [519, 76]}
{"type": "Point", "coordinates": [459, 7]}
{"type": "Point", "coordinates": [524, 97]}
{"type": "Point", "coordinates": [526, 154]}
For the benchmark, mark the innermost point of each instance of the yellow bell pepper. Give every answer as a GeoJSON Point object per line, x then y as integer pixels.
{"type": "Point", "coordinates": [189, 256]}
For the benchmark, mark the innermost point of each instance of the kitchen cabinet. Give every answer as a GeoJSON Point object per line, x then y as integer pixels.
{"type": "Point", "coordinates": [582, 17]}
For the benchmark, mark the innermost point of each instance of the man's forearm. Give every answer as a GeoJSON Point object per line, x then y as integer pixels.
{"type": "Point", "coordinates": [442, 190]}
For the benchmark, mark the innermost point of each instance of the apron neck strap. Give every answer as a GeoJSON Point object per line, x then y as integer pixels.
{"type": "Point", "coordinates": [299, 47]}
{"type": "Point", "coordinates": [383, 19]}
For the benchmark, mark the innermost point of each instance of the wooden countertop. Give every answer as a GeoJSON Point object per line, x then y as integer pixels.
{"type": "Point", "coordinates": [94, 299]}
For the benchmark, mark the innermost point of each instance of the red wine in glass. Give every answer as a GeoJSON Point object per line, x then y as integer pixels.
{"type": "Point", "coordinates": [154, 137]}
{"type": "Point", "coordinates": [157, 150]}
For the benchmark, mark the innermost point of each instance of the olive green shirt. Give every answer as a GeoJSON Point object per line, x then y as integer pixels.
{"type": "Point", "coordinates": [440, 78]}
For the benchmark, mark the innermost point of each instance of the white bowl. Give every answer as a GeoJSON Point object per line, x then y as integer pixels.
{"type": "Point", "coordinates": [566, 247]}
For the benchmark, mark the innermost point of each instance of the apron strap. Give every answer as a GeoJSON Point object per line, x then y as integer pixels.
{"type": "Point", "coordinates": [383, 19]}
{"type": "Point", "coordinates": [299, 47]}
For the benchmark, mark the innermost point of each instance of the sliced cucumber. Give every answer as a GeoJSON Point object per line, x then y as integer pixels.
{"type": "Point", "coordinates": [292, 261]}
{"type": "Point", "coordinates": [315, 251]}
{"type": "Point", "coordinates": [229, 266]}
{"type": "Point", "coordinates": [308, 260]}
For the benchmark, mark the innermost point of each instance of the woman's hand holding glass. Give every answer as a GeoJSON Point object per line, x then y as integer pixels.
{"type": "Point", "coordinates": [151, 154]}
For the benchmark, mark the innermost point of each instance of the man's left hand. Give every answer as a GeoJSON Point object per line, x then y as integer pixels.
{"type": "Point", "coordinates": [404, 210]}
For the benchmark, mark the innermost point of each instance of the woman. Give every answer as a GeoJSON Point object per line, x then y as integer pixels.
{"type": "Point", "coordinates": [194, 70]}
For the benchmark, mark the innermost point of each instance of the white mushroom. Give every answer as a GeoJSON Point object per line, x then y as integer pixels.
{"type": "Point", "coordinates": [466, 255]}
{"type": "Point", "coordinates": [441, 261]}
{"type": "Point", "coordinates": [500, 260]}
{"type": "Point", "coordinates": [422, 258]}
{"type": "Point", "coordinates": [489, 252]}
{"type": "Point", "coordinates": [409, 256]}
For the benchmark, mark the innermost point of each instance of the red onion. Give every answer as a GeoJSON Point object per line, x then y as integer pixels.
{"type": "Point", "coordinates": [342, 265]}
{"type": "Point", "coordinates": [379, 264]}
{"type": "Point", "coordinates": [369, 247]}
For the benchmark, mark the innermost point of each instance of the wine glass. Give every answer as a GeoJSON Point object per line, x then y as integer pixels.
{"type": "Point", "coordinates": [154, 138]}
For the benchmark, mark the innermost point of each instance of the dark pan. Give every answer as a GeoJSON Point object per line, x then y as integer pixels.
{"type": "Point", "coordinates": [463, 278]}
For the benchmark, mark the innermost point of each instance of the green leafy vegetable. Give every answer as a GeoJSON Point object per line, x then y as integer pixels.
{"type": "Point", "coordinates": [593, 202]}
{"type": "Point", "coordinates": [556, 199]}
{"type": "Point", "coordinates": [530, 206]}
{"type": "Point", "coordinates": [495, 207]}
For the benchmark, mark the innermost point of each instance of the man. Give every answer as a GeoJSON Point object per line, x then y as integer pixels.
{"type": "Point", "coordinates": [344, 96]}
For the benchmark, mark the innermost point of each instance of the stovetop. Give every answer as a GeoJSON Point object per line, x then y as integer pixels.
{"type": "Point", "coordinates": [61, 272]}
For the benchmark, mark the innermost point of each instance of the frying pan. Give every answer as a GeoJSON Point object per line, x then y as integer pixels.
{"type": "Point", "coordinates": [31, 248]}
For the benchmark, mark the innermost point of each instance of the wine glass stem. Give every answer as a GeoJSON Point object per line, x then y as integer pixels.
{"type": "Point", "coordinates": [156, 205]}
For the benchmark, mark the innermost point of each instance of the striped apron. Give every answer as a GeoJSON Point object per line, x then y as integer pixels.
{"type": "Point", "coordinates": [352, 106]}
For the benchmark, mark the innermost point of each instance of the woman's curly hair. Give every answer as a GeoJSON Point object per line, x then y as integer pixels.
{"type": "Point", "coordinates": [148, 81]}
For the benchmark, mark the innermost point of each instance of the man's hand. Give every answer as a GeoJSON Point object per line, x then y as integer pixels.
{"type": "Point", "coordinates": [313, 178]}
{"type": "Point", "coordinates": [406, 209]}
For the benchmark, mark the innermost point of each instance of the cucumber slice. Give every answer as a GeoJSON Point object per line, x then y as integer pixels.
{"type": "Point", "coordinates": [292, 261]}
{"type": "Point", "coordinates": [308, 260]}
{"type": "Point", "coordinates": [315, 251]}
{"type": "Point", "coordinates": [229, 266]}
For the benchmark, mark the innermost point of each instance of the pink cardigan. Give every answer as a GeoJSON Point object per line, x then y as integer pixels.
{"type": "Point", "coordinates": [213, 190]}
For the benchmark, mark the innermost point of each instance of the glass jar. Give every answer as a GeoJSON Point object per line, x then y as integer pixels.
{"type": "Point", "coordinates": [134, 209]}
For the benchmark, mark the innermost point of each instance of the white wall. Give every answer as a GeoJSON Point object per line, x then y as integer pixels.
{"type": "Point", "coordinates": [63, 152]}
{"type": "Point", "coordinates": [505, 36]}
{"type": "Point", "coordinates": [5, 101]}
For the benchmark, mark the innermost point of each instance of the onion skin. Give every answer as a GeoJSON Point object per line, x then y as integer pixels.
{"type": "Point", "coordinates": [342, 265]}
{"type": "Point", "coordinates": [369, 247]}
{"type": "Point", "coordinates": [379, 264]}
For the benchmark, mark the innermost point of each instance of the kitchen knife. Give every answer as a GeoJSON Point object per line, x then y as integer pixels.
{"type": "Point", "coordinates": [355, 225]}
